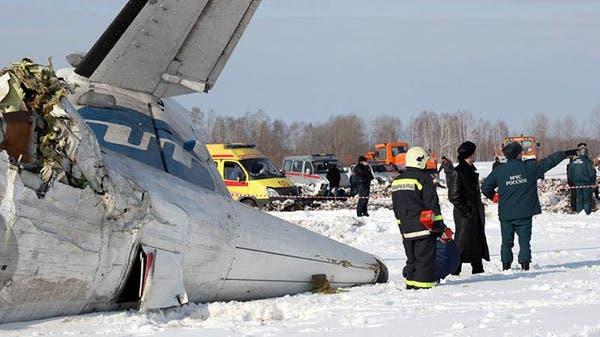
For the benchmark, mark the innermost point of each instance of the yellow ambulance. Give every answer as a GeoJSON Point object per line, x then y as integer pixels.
{"type": "Point", "coordinates": [250, 176]}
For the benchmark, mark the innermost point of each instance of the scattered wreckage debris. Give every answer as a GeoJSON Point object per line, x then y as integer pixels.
{"type": "Point", "coordinates": [40, 133]}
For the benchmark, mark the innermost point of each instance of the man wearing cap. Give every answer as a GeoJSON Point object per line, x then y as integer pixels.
{"type": "Point", "coordinates": [469, 213]}
{"type": "Point", "coordinates": [363, 175]}
{"type": "Point", "coordinates": [581, 175]}
{"type": "Point", "coordinates": [417, 210]}
{"type": "Point", "coordinates": [517, 189]}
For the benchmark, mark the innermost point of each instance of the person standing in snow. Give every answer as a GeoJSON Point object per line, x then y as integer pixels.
{"type": "Point", "coordinates": [516, 181]}
{"type": "Point", "coordinates": [496, 163]}
{"type": "Point", "coordinates": [334, 177]}
{"type": "Point", "coordinates": [469, 213]}
{"type": "Point", "coordinates": [417, 210]}
{"type": "Point", "coordinates": [446, 165]}
{"type": "Point", "coordinates": [363, 175]}
{"type": "Point", "coordinates": [582, 179]}
{"type": "Point", "coordinates": [572, 191]}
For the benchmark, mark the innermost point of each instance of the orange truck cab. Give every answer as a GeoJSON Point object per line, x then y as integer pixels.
{"type": "Point", "coordinates": [531, 148]}
{"type": "Point", "coordinates": [395, 153]}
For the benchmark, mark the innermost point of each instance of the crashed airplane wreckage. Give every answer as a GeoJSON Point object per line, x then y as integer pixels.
{"type": "Point", "coordinates": [105, 203]}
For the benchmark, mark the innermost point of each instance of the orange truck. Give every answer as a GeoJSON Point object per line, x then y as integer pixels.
{"type": "Point", "coordinates": [395, 153]}
{"type": "Point", "coordinates": [531, 148]}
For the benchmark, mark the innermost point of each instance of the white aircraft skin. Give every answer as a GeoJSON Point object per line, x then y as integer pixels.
{"type": "Point", "coordinates": [155, 227]}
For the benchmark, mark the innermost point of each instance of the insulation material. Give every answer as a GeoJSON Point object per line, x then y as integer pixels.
{"type": "Point", "coordinates": [42, 129]}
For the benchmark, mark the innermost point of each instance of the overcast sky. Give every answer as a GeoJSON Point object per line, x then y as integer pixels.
{"type": "Point", "coordinates": [309, 59]}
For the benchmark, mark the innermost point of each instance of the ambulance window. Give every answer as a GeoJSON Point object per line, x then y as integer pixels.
{"type": "Point", "coordinates": [287, 165]}
{"type": "Point", "coordinates": [233, 171]}
{"type": "Point", "coordinates": [297, 167]}
{"type": "Point", "coordinates": [308, 168]}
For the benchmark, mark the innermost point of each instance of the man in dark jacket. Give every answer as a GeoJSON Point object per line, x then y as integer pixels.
{"type": "Point", "coordinates": [496, 163]}
{"type": "Point", "coordinates": [572, 192]}
{"type": "Point", "coordinates": [417, 210]}
{"type": "Point", "coordinates": [363, 174]}
{"type": "Point", "coordinates": [581, 175]}
{"type": "Point", "coordinates": [334, 177]}
{"type": "Point", "coordinates": [517, 189]}
{"type": "Point", "coordinates": [446, 165]}
{"type": "Point", "coordinates": [469, 214]}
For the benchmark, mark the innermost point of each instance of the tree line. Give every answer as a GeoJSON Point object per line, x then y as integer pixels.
{"type": "Point", "coordinates": [349, 135]}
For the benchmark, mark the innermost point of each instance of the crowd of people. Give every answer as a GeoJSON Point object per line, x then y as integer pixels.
{"type": "Point", "coordinates": [513, 185]}
{"type": "Point", "coordinates": [433, 251]}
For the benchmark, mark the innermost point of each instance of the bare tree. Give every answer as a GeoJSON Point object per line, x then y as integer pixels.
{"type": "Point", "coordinates": [386, 129]}
{"type": "Point", "coordinates": [347, 136]}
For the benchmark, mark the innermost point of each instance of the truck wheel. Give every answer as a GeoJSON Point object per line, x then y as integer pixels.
{"type": "Point", "coordinates": [250, 202]}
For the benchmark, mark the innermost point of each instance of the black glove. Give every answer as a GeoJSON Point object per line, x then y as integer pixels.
{"type": "Point", "coordinates": [571, 153]}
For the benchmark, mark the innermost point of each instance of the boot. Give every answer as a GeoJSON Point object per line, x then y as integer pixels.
{"type": "Point", "coordinates": [458, 270]}
{"type": "Point", "coordinates": [505, 266]}
{"type": "Point", "coordinates": [525, 266]}
{"type": "Point", "coordinates": [477, 268]}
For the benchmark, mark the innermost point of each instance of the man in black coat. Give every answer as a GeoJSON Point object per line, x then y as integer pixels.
{"type": "Point", "coordinates": [496, 163]}
{"type": "Point", "coordinates": [469, 214]}
{"type": "Point", "coordinates": [363, 175]}
{"type": "Point", "coordinates": [334, 177]}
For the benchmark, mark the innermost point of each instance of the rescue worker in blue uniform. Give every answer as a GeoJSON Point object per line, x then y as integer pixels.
{"type": "Point", "coordinates": [417, 210]}
{"type": "Point", "coordinates": [517, 190]}
{"type": "Point", "coordinates": [581, 175]}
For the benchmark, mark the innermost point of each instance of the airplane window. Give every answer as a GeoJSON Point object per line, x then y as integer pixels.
{"type": "Point", "coordinates": [181, 163]}
{"type": "Point", "coordinates": [125, 131]}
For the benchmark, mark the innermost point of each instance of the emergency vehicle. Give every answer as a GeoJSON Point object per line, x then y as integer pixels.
{"type": "Point", "coordinates": [531, 148]}
{"type": "Point", "coordinates": [310, 172]}
{"type": "Point", "coordinates": [249, 175]}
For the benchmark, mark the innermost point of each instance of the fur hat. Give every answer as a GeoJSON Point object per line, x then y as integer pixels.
{"type": "Point", "coordinates": [466, 149]}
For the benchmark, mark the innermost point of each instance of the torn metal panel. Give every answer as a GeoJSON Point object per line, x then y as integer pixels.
{"type": "Point", "coordinates": [162, 281]}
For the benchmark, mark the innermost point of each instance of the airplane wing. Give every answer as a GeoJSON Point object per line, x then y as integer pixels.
{"type": "Point", "coordinates": [168, 47]}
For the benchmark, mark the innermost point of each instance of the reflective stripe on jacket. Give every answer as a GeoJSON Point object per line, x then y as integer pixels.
{"type": "Point", "coordinates": [412, 192]}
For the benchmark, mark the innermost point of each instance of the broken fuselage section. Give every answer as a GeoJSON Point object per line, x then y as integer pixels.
{"type": "Point", "coordinates": [131, 216]}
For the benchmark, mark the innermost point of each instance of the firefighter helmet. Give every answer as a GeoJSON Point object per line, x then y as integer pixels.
{"type": "Point", "coordinates": [417, 157]}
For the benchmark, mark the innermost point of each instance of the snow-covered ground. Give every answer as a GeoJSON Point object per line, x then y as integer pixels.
{"type": "Point", "coordinates": [560, 296]}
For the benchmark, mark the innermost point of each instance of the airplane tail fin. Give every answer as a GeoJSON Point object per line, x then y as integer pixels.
{"type": "Point", "coordinates": [168, 47]}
